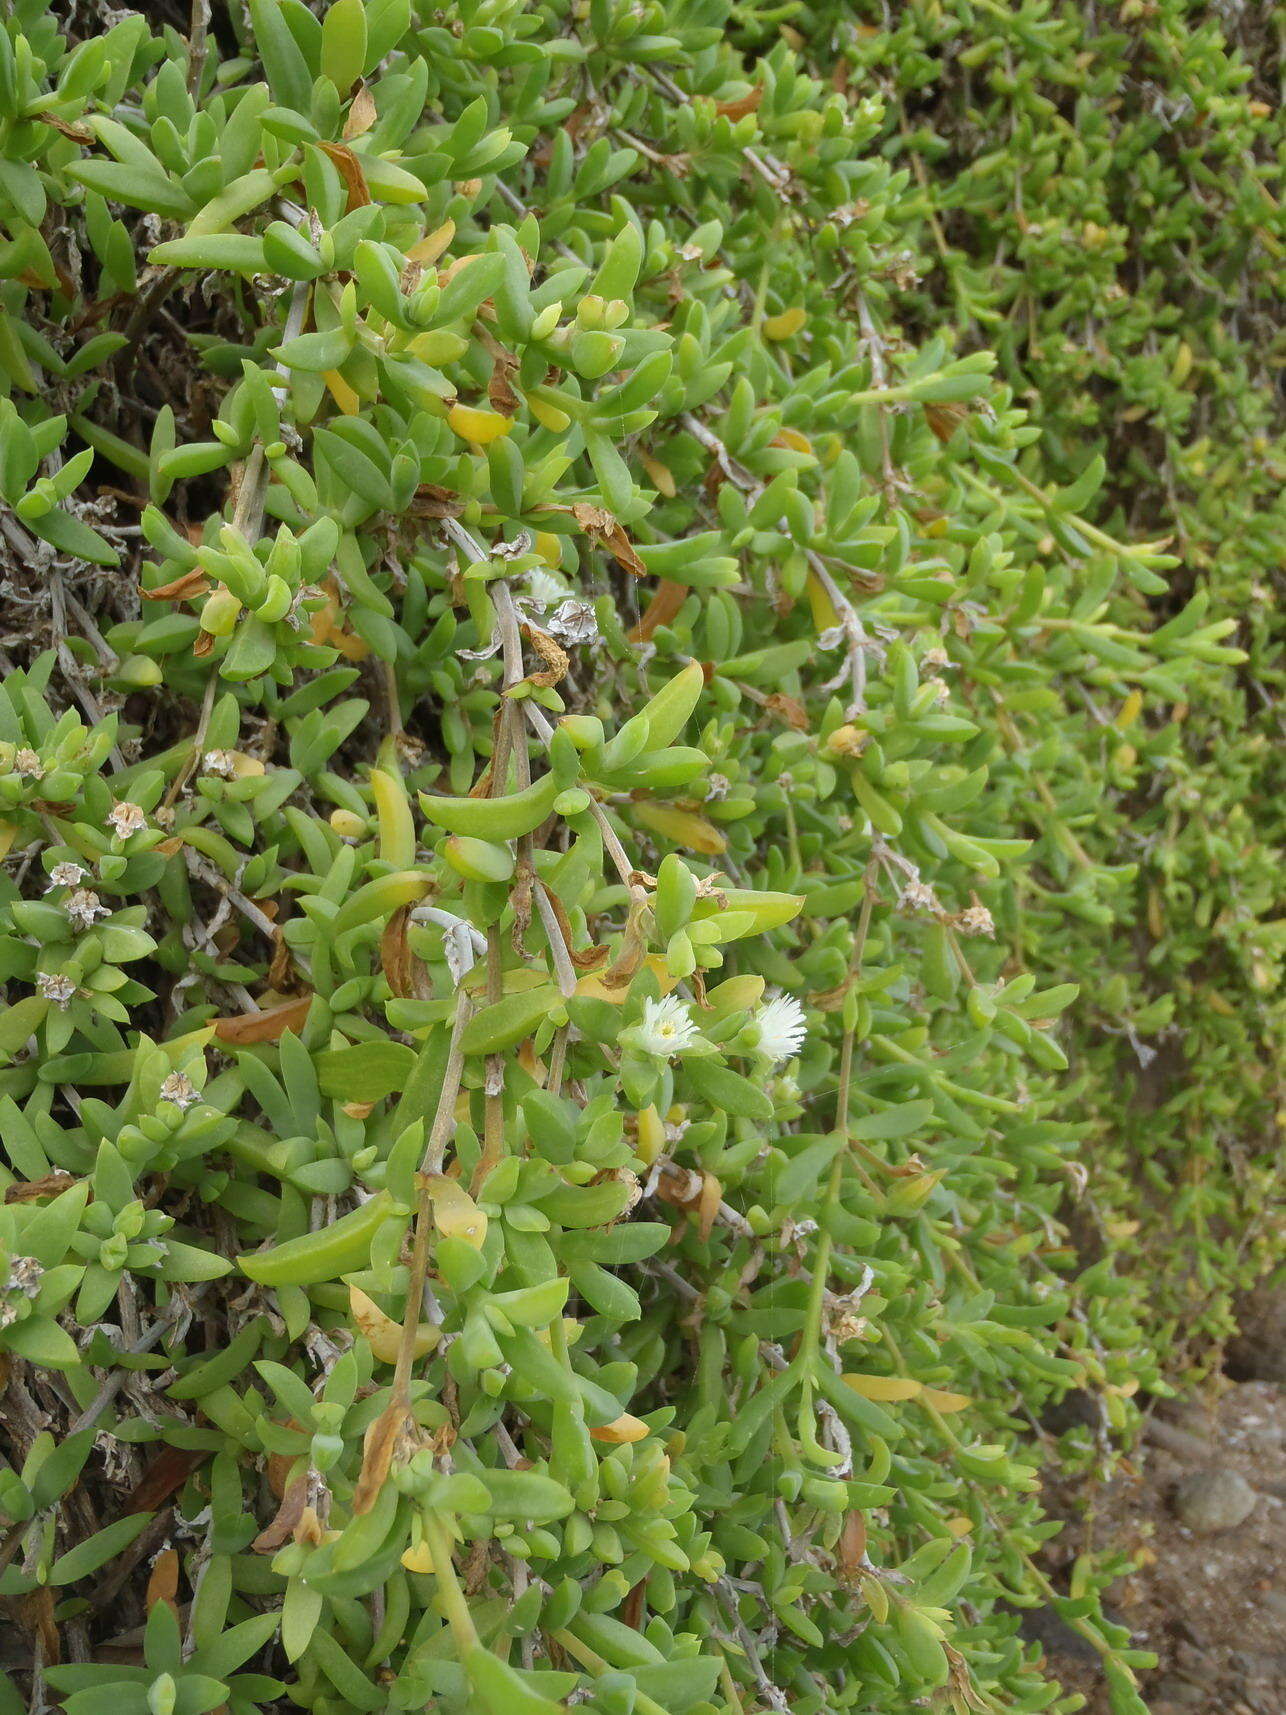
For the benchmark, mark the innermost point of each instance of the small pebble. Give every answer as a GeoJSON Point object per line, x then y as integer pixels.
{"type": "Point", "coordinates": [1214, 1499]}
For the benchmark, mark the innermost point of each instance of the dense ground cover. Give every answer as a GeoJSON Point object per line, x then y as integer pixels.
{"type": "Point", "coordinates": [608, 611]}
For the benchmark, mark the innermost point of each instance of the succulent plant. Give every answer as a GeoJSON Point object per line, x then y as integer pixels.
{"type": "Point", "coordinates": [588, 675]}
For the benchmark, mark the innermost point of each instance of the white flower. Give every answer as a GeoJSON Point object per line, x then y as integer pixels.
{"type": "Point", "coordinates": [66, 875]}
{"type": "Point", "coordinates": [56, 987]}
{"type": "Point", "coordinates": [666, 1028]}
{"type": "Point", "coordinates": [543, 589]}
{"type": "Point", "coordinates": [782, 1028]}
{"type": "Point", "coordinates": [126, 818]}
{"type": "Point", "coordinates": [84, 906]}
{"type": "Point", "coordinates": [179, 1089]}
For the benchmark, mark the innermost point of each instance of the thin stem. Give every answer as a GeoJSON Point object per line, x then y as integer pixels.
{"type": "Point", "coordinates": [435, 1147]}
{"type": "Point", "coordinates": [454, 1602]}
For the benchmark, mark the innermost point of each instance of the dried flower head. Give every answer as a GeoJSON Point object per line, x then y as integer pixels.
{"type": "Point", "coordinates": [221, 762]}
{"type": "Point", "coordinates": [54, 986]}
{"type": "Point", "coordinates": [126, 819]}
{"type": "Point", "coordinates": [66, 875]}
{"type": "Point", "coordinates": [27, 763]}
{"type": "Point", "coordinates": [179, 1089]}
{"type": "Point", "coordinates": [574, 621]}
{"type": "Point", "coordinates": [917, 895]}
{"type": "Point", "coordinates": [84, 906]}
{"type": "Point", "coordinates": [976, 920]}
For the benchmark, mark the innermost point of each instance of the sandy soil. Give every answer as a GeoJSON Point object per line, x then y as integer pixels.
{"type": "Point", "coordinates": [1211, 1605]}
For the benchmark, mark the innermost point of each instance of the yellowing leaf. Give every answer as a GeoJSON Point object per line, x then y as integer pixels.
{"type": "Point", "coordinates": [430, 248]}
{"type": "Point", "coordinates": [944, 1402]}
{"type": "Point", "coordinates": [660, 474]}
{"type": "Point", "coordinates": [381, 1333]}
{"type": "Point", "coordinates": [681, 827]}
{"type": "Point", "coordinates": [549, 547]}
{"type": "Point", "coordinates": [877, 1598]}
{"type": "Point", "coordinates": [792, 438]}
{"type": "Point", "coordinates": [594, 986]}
{"type": "Point", "coordinates": [622, 1430]}
{"type": "Point", "coordinates": [571, 1328]}
{"type": "Point", "coordinates": [340, 391]}
{"type": "Point", "coordinates": [651, 1135]}
{"type": "Point", "coordinates": [480, 427]}
{"type": "Point", "coordinates": [824, 614]}
{"type": "Point", "coordinates": [547, 415]}
{"type": "Point", "coordinates": [1128, 712]}
{"type": "Point", "coordinates": [884, 1387]}
{"type": "Point", "coordinates": [361, 115]}
{"type": "Point", "coordinates": [787, 324]}
{"type": "Point", "coordinates": [454, 1210]}
{"type": "Point", "coordinates": [8, 834]}
{"type": "Point", "coordinates": [419, 1558]}
{"type": "Point", "coordinates": [959, 1525]}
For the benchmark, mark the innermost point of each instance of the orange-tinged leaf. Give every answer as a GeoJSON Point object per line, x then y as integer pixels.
{"type": "Point", "coordinates": [288, 1517]}
{"type": "Point", "coordinates": [708, 1205]}
{"type": "Point", "coordinates": [270, 1025]}
{"type": "Point", "coordinates": [851, 1548]}
{"type": "Point", "coordinates": [620, 1431]}
{"type": "Point", "coordinates": [191, 584]}
{"type": "Point", "coordinates": [378, 1447]}
{"type": "Point", "coordinates": [500, 388]}
{"type": "Point", "coordinates": [350, 170]}
{"type": "Point", "coordinates": [605, 528]}
{"type": "Point", "coordinates": [31, 1190]}
{"type": "Point", "coordinates": [428, 249]}
{"type": "Point", "coordinates": [740, 105]}
{"type": "Point", "coordinates": [959, 1525]}
{"type": "Point", "coordinates": [663, 607]}
{"type": "Point", "coordinates": [789, 709]}
{"type": "Point", "coordinates": [163, 1584]}
{"type": "Point", "coordinates": [165, 1475]}
{"type": "Point", "coordinates": [661, 475]}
